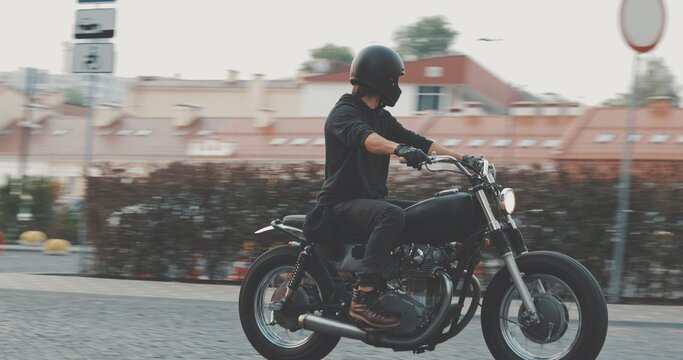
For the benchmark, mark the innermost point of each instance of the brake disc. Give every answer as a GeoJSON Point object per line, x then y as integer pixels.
{"type": "Point", "coordinates": [554, 319]}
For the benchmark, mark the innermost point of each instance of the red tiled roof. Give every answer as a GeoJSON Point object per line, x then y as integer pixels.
{"type": "Point", "coordinates": [148, 139]}
{"type": "Point", "coordinates": [457, 69]}
{"type": "Point", "coordinates": [517, 129]}
{"type": "Point", "coordinates": [649, 122]}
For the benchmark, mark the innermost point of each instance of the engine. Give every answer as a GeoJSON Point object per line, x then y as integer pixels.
{"type": "Point", "coordinates": [416, 293]}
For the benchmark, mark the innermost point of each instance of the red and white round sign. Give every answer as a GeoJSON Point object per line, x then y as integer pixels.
{"type": "Point", "coordinates": [642, 23]}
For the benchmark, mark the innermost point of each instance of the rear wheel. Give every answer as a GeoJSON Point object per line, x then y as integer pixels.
{"type": "Point", "coordinates": [568, 299]}
{"type": "Point", "coordinates": [274, 334]}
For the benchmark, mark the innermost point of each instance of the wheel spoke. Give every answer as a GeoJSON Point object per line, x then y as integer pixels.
{"type": "Point", "coordinates": [264, 312]}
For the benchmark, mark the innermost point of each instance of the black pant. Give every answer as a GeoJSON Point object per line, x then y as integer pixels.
{"type": "Point", "coordinates": [381, 223]}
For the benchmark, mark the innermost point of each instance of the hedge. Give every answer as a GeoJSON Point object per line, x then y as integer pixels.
{"type": "Point", "coordinates": [159, 226]}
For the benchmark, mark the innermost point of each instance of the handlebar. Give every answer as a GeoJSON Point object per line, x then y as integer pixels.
{"type": "Point", "coordinates": [435, 159]}
{"type": "Point", "coordinates": [487, 169]}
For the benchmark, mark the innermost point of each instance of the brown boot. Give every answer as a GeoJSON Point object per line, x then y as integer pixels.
{"type": "Point", "coordinates": [364, 307]}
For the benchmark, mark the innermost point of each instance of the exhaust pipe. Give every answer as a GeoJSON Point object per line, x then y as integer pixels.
{"type": "Point", "coordinates": [337, 328]}
{"type": "Point", "coordinates": [331, 327]}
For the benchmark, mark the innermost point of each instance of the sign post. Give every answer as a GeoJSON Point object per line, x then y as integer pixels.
{"type": "Point", "coordinates": [91, 58]}
{"type": "Point", "coordinates": [95, 23]}
{"type": "Point", "coordinates": [642, 25]}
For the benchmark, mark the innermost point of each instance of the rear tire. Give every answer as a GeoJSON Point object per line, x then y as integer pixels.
{"type": "Point", "coordinates": [582, 300]}
{"type": "Point", "coordinates": [315, 346]}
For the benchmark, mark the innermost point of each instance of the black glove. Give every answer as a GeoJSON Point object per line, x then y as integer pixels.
{"type": "Point", "coordinates": [473, 161]}
{"type": "Point", "coordinates": [414, 157]}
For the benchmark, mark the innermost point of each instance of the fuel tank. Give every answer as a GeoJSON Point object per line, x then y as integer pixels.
{"type": "Point", "coordinates": [443, 218]}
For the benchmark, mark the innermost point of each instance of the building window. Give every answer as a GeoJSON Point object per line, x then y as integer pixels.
{"type": "Point", "coordinates": [660, 138]}
{"type": "Point", "coordinates": [679, 139]}
{"type": "Point", "coordinates": [143, 132]}
{"type": "Point", "coordinates": [37, 132]}
{"type": "Point", "coordinates": [428, 98]}
{"type": "Point", "coordinates": [433, 71]}
{"type": "Point", "coordinates": [6, 132]}
{"type": "Point", "coordinates": [476, 142]}
{"type": "Point", "coordinates": [211, 147]}
{"type": "Point", "coordinates": [451, 142]}
{"type": "Point", "coordinates": [527, 143]}
{"type": "Point", "coordinates": [550, 143]}
{"type": "Point", "coordinates": [184, 132]}
{"type": "Point", "coordinates": [124, 132]}
{"type": "Point", "coordinates": [300, 141]}
{"type": "Point", "coordinates": [60, 132]}
{"type": "Point", "coordinates": [502, 143]}
{"type": "Point", "coordinates": [604, 138]}
{"type": "Point", "coordinates": [278, 141]}
{"type": "Point", "coordinates": [319, 142]}
{"type": "Point", "coordinates": [634, 138]}
{"type": "Point", "coordinates": [205, 132]}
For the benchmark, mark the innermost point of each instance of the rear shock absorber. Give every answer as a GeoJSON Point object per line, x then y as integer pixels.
{"type": "Point", "coordinates": [298, 273]}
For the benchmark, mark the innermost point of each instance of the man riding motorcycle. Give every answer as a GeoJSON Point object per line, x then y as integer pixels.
{"type": "Point", "coordinates": [360, 136]}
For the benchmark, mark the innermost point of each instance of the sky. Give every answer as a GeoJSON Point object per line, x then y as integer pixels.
{"type": "Point", "coordinates": [573, 48]}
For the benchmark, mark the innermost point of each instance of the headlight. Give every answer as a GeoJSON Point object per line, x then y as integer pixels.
{"type": "Point", "coordinates": [506, 201]}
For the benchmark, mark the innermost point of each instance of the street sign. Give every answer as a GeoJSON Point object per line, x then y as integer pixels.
{"type": "Point", "coordinates": [95, 23]}
{"type": "Point", "coordinates": [642, 23]}
{"type": "Point", "coordinates": [93, 58]}
{"type": "Point", "coordinates": [95, 1]}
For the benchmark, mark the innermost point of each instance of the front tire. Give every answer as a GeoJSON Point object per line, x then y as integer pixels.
{"type": "Point", "coordinates": [568, 294]}
{"type": "Point", "coordinates": [268, 273]}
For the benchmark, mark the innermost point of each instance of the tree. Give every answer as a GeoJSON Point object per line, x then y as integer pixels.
{"type": "Point", "coordinates": [329, 57]}
{"type": "Point", "coordinates": [74, 96]}
{"type": "Point", "coordinates": [429, 36]}
{"type": "Point", "coordinates": [657, 80]}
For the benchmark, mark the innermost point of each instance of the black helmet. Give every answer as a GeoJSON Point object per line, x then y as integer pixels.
{"type": "Point", "coordinates": [378, 67]}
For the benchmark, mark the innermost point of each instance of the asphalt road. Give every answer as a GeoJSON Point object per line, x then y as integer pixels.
{"type": "Point", "coordinates": [71, 317]}
{"type": "Point", "coordinates": [50, 324]}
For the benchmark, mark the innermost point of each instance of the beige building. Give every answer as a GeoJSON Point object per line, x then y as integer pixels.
{"type": "Point", "coordinates": [443, 84]}
{"type": "Point", "coordinates": [185, 99]}
{"type": "Point", "coordinates": [11, 104]}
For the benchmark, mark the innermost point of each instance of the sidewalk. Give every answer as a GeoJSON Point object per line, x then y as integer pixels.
{"type": "Point", "coordinates": [16, 247]}
{"type": "Point", "coordinates": [656, 314]}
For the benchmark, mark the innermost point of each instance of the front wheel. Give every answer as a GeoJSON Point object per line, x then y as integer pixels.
{"type": "Point", "coordinates": [274, 335]}
{"type": "Point", "coordinates": [569, 301]}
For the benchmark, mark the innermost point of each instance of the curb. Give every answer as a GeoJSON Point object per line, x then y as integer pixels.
{"type": "Point", "coordinates": [39, 248]}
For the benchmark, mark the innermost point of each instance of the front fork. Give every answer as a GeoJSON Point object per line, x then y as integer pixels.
{"type": "Point", "coordinates": [500, 241]}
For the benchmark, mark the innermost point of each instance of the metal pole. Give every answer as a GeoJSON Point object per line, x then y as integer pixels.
{"type": "Point", "coordinates": [83, 223]}
{"type": "Point", "coordinates": [25, 128]}
{"type": "Point", "coordinates": [621, 233]}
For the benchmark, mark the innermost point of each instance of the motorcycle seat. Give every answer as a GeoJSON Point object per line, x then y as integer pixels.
{"type": "Point", "coordinates": [296, 221]}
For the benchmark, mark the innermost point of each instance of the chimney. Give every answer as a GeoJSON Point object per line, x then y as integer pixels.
{"type": "Point", "coordinates": [107, 114]}
{"type": "Point", "coordinates": [233, 76]}
{"type": "Point", "coordinates": [257, 93]}
{"type": "Point", "coordinates": [186, 114]}
{"type": "Point", "coordinates": [264, 118]}
{"type": "Point", "coordinates": [659, 103]}
{"type": "Point", "coordinates": [523, 108]}
{"type": "Point", "coordinates": [67, 57]}
{"type": "Point", "coordinates": [473, 108]}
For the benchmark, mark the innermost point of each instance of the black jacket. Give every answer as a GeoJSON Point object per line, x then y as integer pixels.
{"type": "Point", "coordinates": [352, 172]}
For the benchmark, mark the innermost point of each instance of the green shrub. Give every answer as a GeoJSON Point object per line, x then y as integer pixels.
{"type": "Point", "coordinates": [183, 211]}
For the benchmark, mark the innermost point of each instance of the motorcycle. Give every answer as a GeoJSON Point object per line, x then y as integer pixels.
{"type": "Point", "coordinates": [294, 301]}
